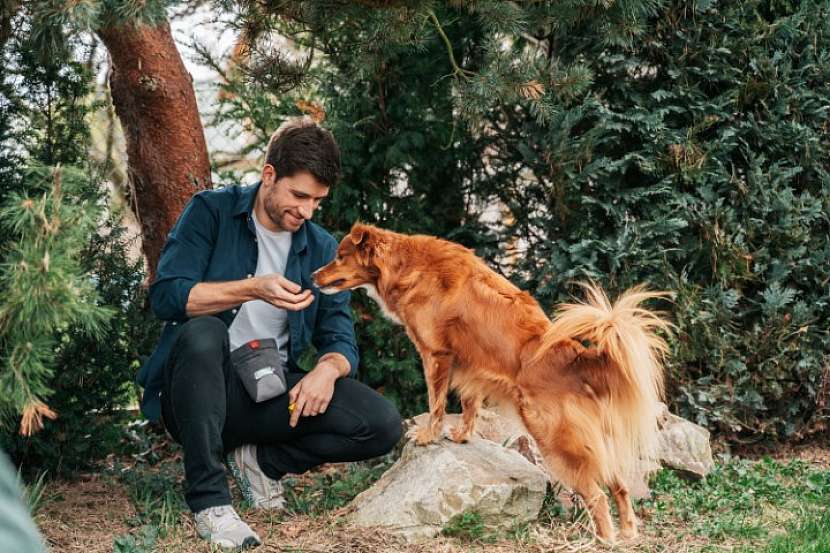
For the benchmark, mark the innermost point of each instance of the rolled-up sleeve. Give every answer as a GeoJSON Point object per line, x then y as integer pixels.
{"type": "Point", "coordinates": [184, 260]}
{"type": "Point", "coordinates": [334, 329]}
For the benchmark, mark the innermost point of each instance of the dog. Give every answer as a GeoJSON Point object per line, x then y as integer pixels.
{"type": "Point", "coordinates": [586, 384]}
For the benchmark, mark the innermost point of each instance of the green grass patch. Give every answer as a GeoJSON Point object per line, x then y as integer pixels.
{"type": "Point", "coordinates": [741, 500]}
{"type": "Point", "coordinates": [34, 492]}
{"type": "Point", "coordinates": [143, 542]}
{"type": "Point", "coordinates": [811, 535]}
{"type": "Point", "coordinates": [331, 490]}
{"type": "Point", "coordinates": [469, 527]}
{"type": "Point", "coordinates": [156, 493]}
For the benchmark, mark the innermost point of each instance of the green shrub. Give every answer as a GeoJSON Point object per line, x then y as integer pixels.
{"type": "Point", "coordinates": [698, 162]}
{"type": "Point", "coordinates": [92, 380]}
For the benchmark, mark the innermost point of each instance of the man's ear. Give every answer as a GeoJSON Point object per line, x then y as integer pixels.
{"type": "Point", "coordinates": [269, 173]}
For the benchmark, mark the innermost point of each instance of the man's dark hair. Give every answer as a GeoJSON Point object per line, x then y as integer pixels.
{"type": "Point", "coordinates": [300, 144]}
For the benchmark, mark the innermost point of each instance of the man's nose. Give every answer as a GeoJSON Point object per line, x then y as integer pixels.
{"type": "Point", "coordinates": [306, 211]}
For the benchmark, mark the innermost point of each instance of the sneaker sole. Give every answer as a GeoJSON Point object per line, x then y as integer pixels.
{"type": "Point", "coordinates": [248, 543]}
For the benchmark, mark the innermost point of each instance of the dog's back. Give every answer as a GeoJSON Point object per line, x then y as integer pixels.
{"type": "Point", "coordinates": [490, 325]}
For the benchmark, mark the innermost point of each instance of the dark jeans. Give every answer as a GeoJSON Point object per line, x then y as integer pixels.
{"type": "Point", "coordinates": [207, 410]}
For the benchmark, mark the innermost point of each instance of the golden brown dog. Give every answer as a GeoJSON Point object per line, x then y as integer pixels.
{"type": "Point", "coordinates": [592, 410]}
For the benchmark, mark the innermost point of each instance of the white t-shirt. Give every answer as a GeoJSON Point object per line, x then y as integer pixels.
{"type": "Point", "coordinates": [258, 319]}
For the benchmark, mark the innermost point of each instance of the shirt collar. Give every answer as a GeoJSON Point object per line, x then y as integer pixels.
{"type": "Point", "coordinates": [245, 200]}
{"type": "Point", "coordinates": [245, 206]}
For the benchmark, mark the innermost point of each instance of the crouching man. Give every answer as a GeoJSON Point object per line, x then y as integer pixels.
{"type": "Point", "coordinates": [234, 287]}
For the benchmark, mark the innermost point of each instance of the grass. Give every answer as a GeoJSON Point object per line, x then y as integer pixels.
{"type": "Point", "coordinates": [33, 493]}
{"type": "Point", "coordinates": [742, 502]}
{"type": "Point", "coordinates": [811, 535]}
{"type": "Point", "coordinates": [743, 506]}
{"type": "Point", "coordinates": [331, 490]}
{"type": "Point", "coordinates": [156, 493]}
{"type": "Point", "coordinates": [467, 526]}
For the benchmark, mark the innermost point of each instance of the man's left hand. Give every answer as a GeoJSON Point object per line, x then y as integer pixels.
{"type": "Point", "coordinates": [312, 394]}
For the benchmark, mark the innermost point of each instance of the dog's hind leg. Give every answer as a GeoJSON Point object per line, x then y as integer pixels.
{"type": "Point", "coordinates": [597, 503]}
{"type": "Point", "coordinates": [628, 521]}
{"type": "Point", "coordinates": [573, 460]}
{"type": "Point", "coordinates": [469, 410]}
{"type": "Point", "coordinates": [437, 371]}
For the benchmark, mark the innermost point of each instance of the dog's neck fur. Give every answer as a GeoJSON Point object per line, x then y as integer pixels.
{"type": "Point", "coordinates": [373, 293]}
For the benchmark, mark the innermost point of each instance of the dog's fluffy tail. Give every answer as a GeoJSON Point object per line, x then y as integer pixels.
{"type": "Point", "coordinates": [626, 333]}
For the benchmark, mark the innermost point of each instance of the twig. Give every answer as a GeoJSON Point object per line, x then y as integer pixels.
{"type": "Point", "coordinates": [457, 70]}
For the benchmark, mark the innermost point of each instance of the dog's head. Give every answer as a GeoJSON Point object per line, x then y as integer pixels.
{"type": "Point", "coordinates": [355, 264]}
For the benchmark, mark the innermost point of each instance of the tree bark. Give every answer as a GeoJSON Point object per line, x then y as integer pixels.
{"type": "Point", "coordinates": [167, 159]}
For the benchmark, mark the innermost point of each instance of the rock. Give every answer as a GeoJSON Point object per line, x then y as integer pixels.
{"type": "Point", "coordinates": [429, 485]}
{"type": "Point", "coordinates": [498, 423]}
{"type": "Point", "coordinates": [684, 446]}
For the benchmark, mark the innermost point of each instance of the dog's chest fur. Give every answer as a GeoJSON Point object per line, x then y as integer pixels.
{"type": "Point", "coordinates": [373, 293]}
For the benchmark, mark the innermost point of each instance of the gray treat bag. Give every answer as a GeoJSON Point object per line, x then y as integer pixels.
{"type": "Point", "coordinates": [260, 369]}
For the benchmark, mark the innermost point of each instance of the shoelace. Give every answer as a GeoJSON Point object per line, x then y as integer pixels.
{"type": "Point", "coordinates": [225, 517]}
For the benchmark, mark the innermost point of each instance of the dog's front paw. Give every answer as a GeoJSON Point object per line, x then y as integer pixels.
{"type": "Point", "coordinates": [460, 434]}
{"type": "Point", "coordinates": [424, 436]}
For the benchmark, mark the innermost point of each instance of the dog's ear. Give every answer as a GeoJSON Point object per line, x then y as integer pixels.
{"type": "Point", "coordinates": [359, 234]}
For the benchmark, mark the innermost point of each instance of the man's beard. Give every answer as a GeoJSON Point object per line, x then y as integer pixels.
{"type": "Point", "coordinates": [278, 217]}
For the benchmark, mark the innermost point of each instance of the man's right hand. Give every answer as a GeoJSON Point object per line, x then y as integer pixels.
{"type": "Point", "coordinates": [281, 292]}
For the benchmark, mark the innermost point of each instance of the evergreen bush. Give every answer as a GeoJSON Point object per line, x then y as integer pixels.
{"type": "Point", "coordinates": [698, 161]}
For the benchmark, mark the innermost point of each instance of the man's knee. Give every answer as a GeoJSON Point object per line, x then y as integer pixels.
{"type": "Point", "coordinates": [202, 337]}
{"type": "Point", "coordinates": [386, 428]}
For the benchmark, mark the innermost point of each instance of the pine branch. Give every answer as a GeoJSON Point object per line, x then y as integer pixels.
{"type": "Point", "coordinates": [456, 69]}
{"type": "Point", "coordinates": [46, 289]}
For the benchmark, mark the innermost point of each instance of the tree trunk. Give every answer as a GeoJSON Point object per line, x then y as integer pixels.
{"type": "Point", "coordinates": [167, 158]}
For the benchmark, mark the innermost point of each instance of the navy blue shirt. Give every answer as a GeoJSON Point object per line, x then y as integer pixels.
{"type": "Point", "coordinates": [214, 240]}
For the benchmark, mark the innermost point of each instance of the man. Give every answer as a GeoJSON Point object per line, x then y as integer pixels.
{"type": "Point", "coordinates": [235, 271]}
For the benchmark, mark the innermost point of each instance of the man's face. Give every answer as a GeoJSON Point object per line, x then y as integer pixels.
{"type": "Point", "coordinates": [290, 201]}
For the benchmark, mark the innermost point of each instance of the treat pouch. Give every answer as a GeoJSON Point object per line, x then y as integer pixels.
{"type": "Point", "coordinates": [259, 368]}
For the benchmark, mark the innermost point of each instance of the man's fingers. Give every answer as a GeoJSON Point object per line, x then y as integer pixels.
{"type": "Point", "coordinates": [309, 410]}
{"type": "Point", "coordinates": [292, 287]}
{"type": "Point", "coordinates": [294, 298]}
{"type": "Point", "coordinates": [298, 306]}
{"type": "Point", "coordinates": [317, 408]}
{"type": "Point", "coordinates": [299, 406]}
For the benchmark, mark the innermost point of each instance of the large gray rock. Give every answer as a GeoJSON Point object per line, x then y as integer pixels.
{"type": "Point", "coordinates": [429, 485]}
{"type": "Point", "coordinates": [684, 446]}
{"type": "Point", "coordinates": [499, 473]}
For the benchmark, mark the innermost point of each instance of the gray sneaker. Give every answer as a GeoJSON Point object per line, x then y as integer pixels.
{"type": "Point", "coordinates": [258, 489]}
{"type": "Point", "coordinates": [222, 526]}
